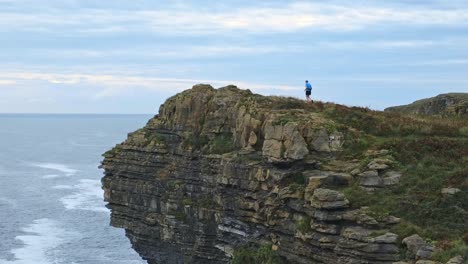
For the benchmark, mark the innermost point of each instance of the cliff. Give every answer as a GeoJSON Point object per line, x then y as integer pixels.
{"type": "Point", "coordinates": [451, 104]}
{"type": "Point", "coordinates": [223, 175]}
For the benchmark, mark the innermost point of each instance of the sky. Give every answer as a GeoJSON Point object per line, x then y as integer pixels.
{"type": "Point", "coordinates": [121, 56]}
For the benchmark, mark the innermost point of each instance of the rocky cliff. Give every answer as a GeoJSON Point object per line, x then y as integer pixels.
{"type": "Point", "coordinates": [451, 104]}
{"type": "Point", "coordinates": [223, 173]}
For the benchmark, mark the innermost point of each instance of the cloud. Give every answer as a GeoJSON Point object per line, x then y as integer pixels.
{"type": "Point", "coordinates": [108, 85]}
{"type": "Point", "coordinates": [394, 44]}
{"type": "Point", "coordinates": [193, 20]}
{"type": "Point", "coordinates": [441, 62]}
{"type": "Point", "coordinates": [172, 52]}
{"type": "Point", "coordinates": [7, 82]}
{"type": "Point", "coordinates": [178, 52]}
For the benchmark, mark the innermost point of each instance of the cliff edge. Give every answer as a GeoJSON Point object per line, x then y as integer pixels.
{"type": "Point", "coordinates": [228, 176]}
{"type": "Point", "coordinates": [451, 104]}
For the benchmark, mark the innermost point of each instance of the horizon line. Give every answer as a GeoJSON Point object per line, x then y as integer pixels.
{"type": "Point", "coordinates": [12, 113]}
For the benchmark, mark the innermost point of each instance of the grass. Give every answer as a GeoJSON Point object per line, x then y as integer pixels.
{"type": "Point", "coordinates": [112, 152]}
{"type": "Point", "coordinates": [181, 217]}
{"type": "Point", "coordinates": [458, 108]}
{"type": "Point", "coordinates": [303, 225]}
{"type": "Point", "coordinates": [221, 144]}
{"type": "Point", "coordinates": [187, 201]}
{"type": "Point", "coordinates": [446, 250]}
{"type": "Point", "coordinates": [281, 121]}
{"type": "Point", "coordinates": [262, 255]}
{"type": "Point", "coordinates": [195, 140]}
{"type": "Point", "coordinates": [432, 154]}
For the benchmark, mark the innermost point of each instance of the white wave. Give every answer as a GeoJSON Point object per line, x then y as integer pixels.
{"type": "Point", "coordinates": [89, 196]}
{"type": "Point", "coordinates": [44, 235]}
{"type": "Point", "coordinates": [62, 187]}
{"type": "Point", "coordinates": [50, 176]}
{"type": "Point", "coordinates": [57, 167]}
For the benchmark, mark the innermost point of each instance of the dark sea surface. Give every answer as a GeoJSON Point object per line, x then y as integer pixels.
{"type": "Point", "coordinates": [51, 206]}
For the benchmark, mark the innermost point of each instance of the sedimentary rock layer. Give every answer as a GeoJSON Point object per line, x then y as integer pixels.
{"type": "Point", "coordinates": [221, 169]}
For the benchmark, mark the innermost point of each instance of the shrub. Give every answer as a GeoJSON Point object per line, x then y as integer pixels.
{"type": "Point", "coordinates": [261, 255]}
{"type": "Point", "coordinates": [195, 140]}
{"type": "Point", "coordinates": [303, 225]}
{"type": "Point", "coordinates": [222, 144]}
{"type": "Point", "coordinates": [455, 248]}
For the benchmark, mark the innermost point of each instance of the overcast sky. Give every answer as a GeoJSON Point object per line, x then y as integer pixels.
{"type": "Point", "coordinates": [121, 56]}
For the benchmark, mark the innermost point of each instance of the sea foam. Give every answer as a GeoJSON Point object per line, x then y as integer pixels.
{"type": "Point", "coordinates": [87, 197]}
{"type": "Point", "coordinates": [44, 235]}
{"type": "Point", "coordinates": [57, 167]}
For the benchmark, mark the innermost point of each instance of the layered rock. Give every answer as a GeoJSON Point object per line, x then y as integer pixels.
{"type": "Point", "coordinates": [219, 169]}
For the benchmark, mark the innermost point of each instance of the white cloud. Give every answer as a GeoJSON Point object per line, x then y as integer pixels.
{"type": "Point", "coordinates": [7, 82]}
{"type": "Point", "coordinates": [394, 44]}
{"type": "Point", "coordinates": [113, 85]}
{"type": "Point", "coordinates": [441, 62]}
{"type": "Point", "coordinates": [193, 20]}
{"type": "Point", "coordinates": [174, 52]}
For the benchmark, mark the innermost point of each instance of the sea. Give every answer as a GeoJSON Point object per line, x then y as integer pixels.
{"type": "Point", "coordinates": [51, 202]}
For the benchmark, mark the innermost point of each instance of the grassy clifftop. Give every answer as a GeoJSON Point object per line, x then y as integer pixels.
{"type": "Point", "coordinates": [432, 152]}
{"type": "Point", "coordinates": [450, 104]}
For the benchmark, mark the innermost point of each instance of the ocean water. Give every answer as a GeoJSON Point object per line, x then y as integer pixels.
{"type": "Point", "coordinates": [51, 205]}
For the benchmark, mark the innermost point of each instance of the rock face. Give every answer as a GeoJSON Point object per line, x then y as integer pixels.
{"type": "Point", "coordinates": [219, 169]}
{"type": "Point", "coordinates": [452, 104]}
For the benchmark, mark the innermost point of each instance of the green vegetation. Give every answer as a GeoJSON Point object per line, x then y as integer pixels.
{"type": "Point", "coordinates": [296, 177]}
{"type": "Point", "coordinates": [112, 152]}
{"type": "Point", "coordinates": [155, 137]}
{"type": "Point", "coordinates": [288, 103]}
{"type": "Point", "coordinates": [295, 187]}
{"type": "Point", "coordinates": [261, 255]}
{"type": "Point", "coordinates": [281, 121]}
{"type": "Point", "coordinates": [180, 216]}
{"type": "Point", "coordinates": [195, 140]}
{"type": "Point", "coordinates": [207, 202]}
{"type": "Point", "coordinates": [446, 250]}
{"type": "Point", "coordinates": [221, 144]}
{"type": "Point", "coordinates": [187, 201]}
{"type": "Point", "coordinates": [437, 105]}
{"type": "Point", "coordinates": [303, 225]}
{"type": "Point", "coordinates": [431, 153]}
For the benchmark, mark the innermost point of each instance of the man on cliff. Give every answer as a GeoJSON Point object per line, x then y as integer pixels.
{"type": "Point", "coordinates": [308, 90]}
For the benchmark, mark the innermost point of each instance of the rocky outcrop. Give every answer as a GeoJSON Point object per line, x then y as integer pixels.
{"type": "Point", "coordinates": [452, 104]}
{"type": "Point", "coordinates": [221, 169]}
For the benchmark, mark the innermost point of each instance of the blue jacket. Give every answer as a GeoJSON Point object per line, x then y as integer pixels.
{"type": "Point", "coordinates": [308, 87]}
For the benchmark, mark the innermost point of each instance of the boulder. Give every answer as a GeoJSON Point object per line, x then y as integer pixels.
{"type": "Point", "coordinates": [387, 238]}
{"type": "Point", "coordinates": [328, 199]}
{"type": "Point", "coordinates": [321, 141]}
{"type": "Point", "coordinates": [413, 244]}
{"type": "Point", "coordinates": [379, 164]}
{"type": "Point", "coordinates": [424, 252]}
{"type": "Point", "coordinates": [456, 260]}
{"type": "Point", "coordinates": [370, 179]}
{"type": "Point", "coordinates": [391, 178]}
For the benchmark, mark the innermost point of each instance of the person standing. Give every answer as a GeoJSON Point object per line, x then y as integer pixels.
{"type": "Point", "coordinates": [308, 90]}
